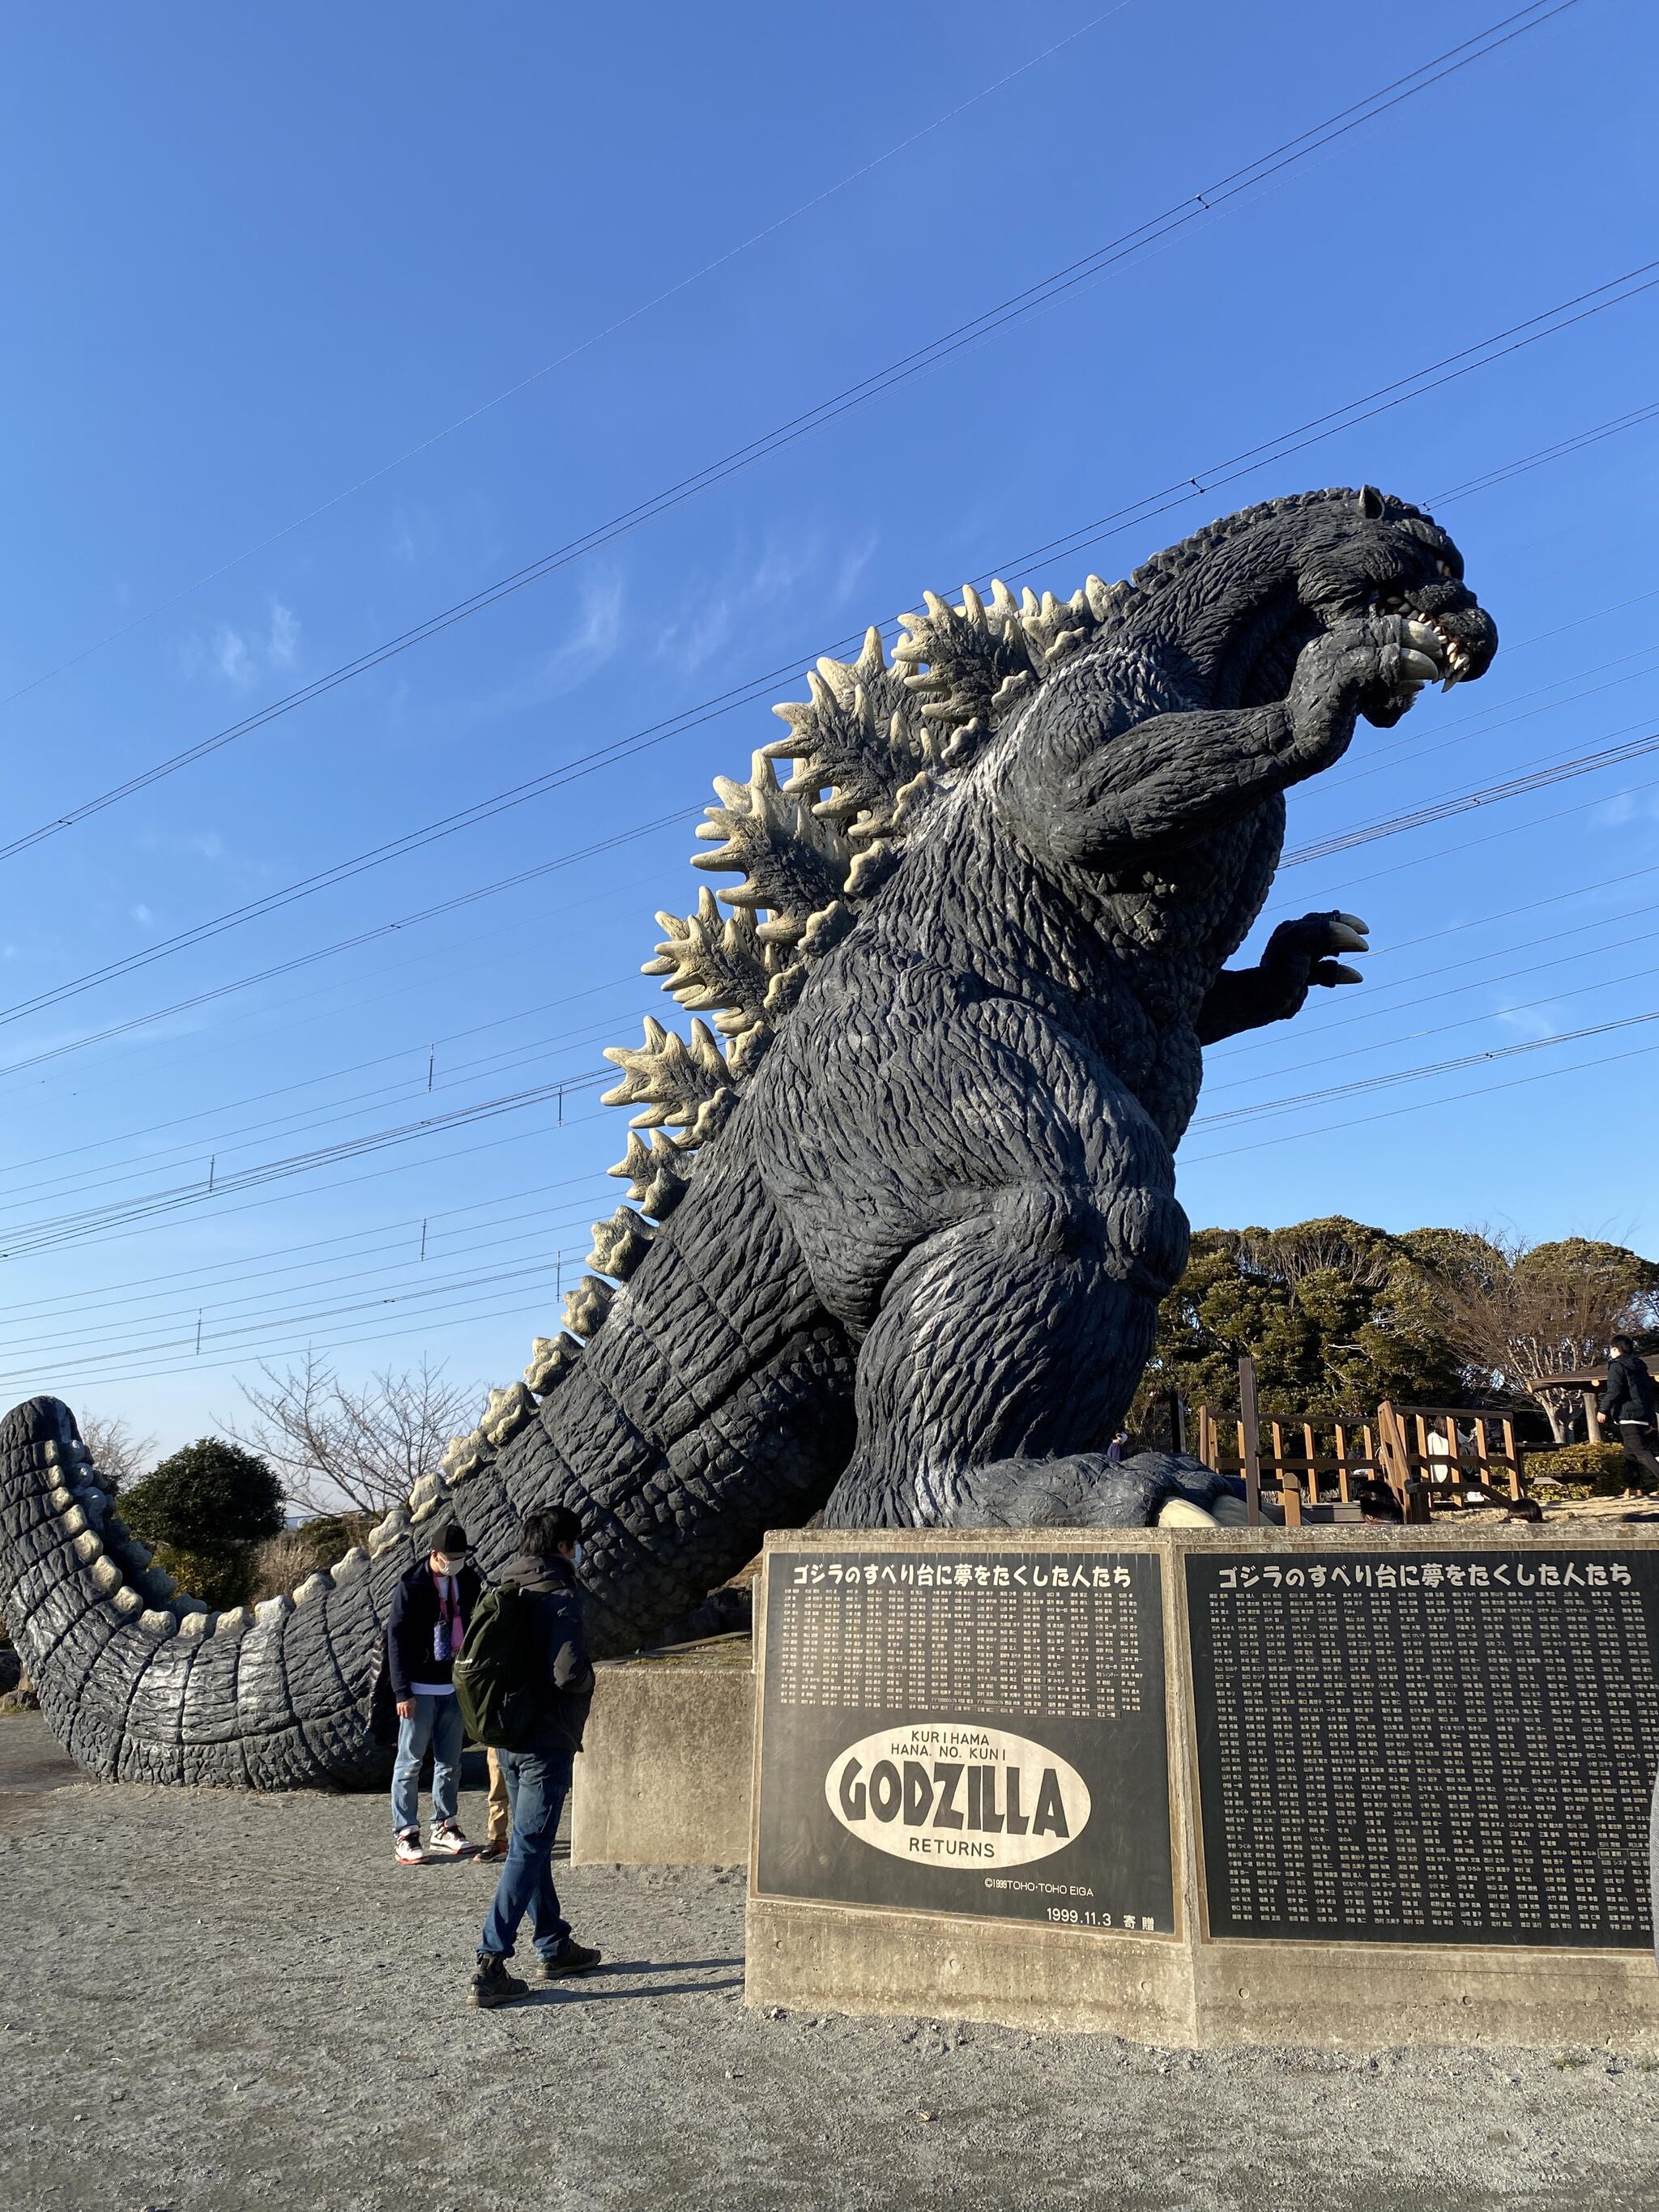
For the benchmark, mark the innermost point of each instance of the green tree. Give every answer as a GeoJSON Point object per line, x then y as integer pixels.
{"type": "Point", "coordinates": [210, 1496]}
{"type": "Point", "coordinates": [1336, 1315]}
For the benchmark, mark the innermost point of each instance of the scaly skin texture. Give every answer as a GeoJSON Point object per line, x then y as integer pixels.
{"type": "Point", "coordinates": [913, 1280]}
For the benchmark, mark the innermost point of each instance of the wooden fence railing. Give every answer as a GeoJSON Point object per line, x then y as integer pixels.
{"type": "Point", "coordinates": [1446, 1449]}
{"type": "Point", "coordinates": [1427, 1454]}
{"type": "Point", "coordinates": [1304, 1463]}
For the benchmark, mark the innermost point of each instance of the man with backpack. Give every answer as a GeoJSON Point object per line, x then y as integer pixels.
{"type": "Point", "coordinates": [524, 1684]}
{"type": "Point", "coordinates": [430, 1609]}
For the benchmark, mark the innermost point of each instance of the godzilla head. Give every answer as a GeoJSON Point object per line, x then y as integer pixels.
{"type": "Point", "coordinates": [1276, 577]}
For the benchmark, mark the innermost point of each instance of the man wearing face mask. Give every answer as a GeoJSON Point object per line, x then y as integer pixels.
{"type": "Point", "coordinates": [559, 1679]}
{"type": "Point", "coordinates": [430, 1608]}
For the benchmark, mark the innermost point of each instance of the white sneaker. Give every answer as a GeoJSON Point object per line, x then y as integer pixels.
{"type": "Point", "coordinates": [407, 1850]}
{"type": "Point", "coordinates": [448, 1843]}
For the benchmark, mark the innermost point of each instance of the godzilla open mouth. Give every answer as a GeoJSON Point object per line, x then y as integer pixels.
{"type": "Point", "coordinates": [1440, 643]}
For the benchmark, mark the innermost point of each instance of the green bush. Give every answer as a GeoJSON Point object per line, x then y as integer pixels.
{"type": "Point", "coordinates": [206, 1499]}
{"type": "Point", "coordinates": [220, 1575]}
{"type": "Point", "coordinates": [1590, 1470]}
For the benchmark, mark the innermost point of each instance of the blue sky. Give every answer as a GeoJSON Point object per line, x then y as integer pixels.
{"type": "Point", "coordinates": [259, 262]}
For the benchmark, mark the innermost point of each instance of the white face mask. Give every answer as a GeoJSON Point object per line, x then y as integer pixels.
{"type": "Point", "coordinates": [450, 1566]}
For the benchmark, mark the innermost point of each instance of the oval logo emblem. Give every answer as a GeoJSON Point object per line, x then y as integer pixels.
{"type": "Point", "coordinates": [945, 1794]}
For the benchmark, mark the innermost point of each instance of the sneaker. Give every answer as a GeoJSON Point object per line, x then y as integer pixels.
{"type": "Point", "coordinates": [574, 1959]}
{"type": "Point", "coordinates": [408, 1852]}
{"type": "Point", "coordinates": [487, 1853]}
{"type": "Point", "coordinates": [493, 1985]}
{"type": "Point", "coordinates": [446, 1842]}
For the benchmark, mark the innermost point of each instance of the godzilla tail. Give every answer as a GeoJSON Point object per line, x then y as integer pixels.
{"type": "Point", "coordinates": [142, 1684]}
{"type": "Point", "coordinates": [714, 1403]}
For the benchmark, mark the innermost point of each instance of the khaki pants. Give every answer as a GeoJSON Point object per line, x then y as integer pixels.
{"type": "Point", "coordinates": [501, 1815]}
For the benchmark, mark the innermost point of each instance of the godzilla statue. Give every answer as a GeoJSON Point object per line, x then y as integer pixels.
{"type": "Point", "coordinates": [960, 1005]}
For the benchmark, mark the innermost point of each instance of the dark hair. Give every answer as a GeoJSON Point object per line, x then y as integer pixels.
{"type": "Point", "coordinates": [1378, 1503]}
{"type": "Point", "coordinates": [546, 1531]}
{"type": "Point", "coordinates": [1525, 1509]}
{"type": "Point", "coordinates": [1623, 1345]}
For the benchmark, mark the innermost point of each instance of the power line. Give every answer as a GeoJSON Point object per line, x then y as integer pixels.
{"type": "Point", "coordinates": [1197, 207]}
{"type": "Point", "coordinates": [1424, 1105]}
{"type": "Point", "coordinates": [68, 1331]}
{"type": "Point", "coordinates": [1370, 1013]}
{"type": "Point", "coordinates": [69, 1228]}
{"type": "Point", "coordinates": [310, 1082]}
{"type": "Point", "coordinates": [1486, 795]}
{"type": "Point", "coordinates": [524, 383]}
{"type": "Point", "coordinates": [519, 876]}
{"type": "Point", "coordinates": [26, 1376]}
{"type": "Point", "coordinates": [374, 1174]}
{"type": "Point", "coordinates": [1482, 795]}
{"type": "Point", "coordinates": [1512, 647]}
{"type": "Point", "coordinates": [1417, 1074]}
{"type": "Point", "coordinates": [303, 1344]}
{"type": "Point", "coordinates": [413, 841]}
{"type": "Point", "coordinates": [110, 1173]}
{"type": "Point", "coordinates": [1439, 1067]}
{"type": "Point", "coordinates": [203, 1271]}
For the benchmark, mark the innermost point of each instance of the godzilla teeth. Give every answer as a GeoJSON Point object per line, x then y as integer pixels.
{"type": "Point", "coordinates": [1432, 634]}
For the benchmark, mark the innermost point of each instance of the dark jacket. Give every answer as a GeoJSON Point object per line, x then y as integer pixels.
{"type": "Point", "coordinates": [562, 1674]}
{"type": "Point", "coordinates": [411, 1621]}
{"type": "Point", "coordinates": [1627, 1393]}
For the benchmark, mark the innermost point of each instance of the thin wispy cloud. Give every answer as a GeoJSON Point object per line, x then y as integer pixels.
{"type": "Point", "coordinates": [1615, 812]}
{"type": "Point", "coordinates": [283, 644]}
{"type": "Point", "coordinates": [414, 535]}
{"type": "Point", "coordinates": [234, 660]}
{"type": "Point", "coordinates": [1532, 1023]}
{"type": "Point", "coordinates": [241, 659]}
{"type": "Point", "coordinates": [749, 592]}
{"type": "Point", "coordinates": [593, 640]}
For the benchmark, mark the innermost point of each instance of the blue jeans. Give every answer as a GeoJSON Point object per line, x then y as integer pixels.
{"type": "Point", "coordinates": [437, 1721]}
{"type": "Point", "coordinates": [537, 1783]}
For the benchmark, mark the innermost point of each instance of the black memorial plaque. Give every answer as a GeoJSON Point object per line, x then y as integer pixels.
{"type": "Point", "coordinates": [1427, 1747]}
{"type": "Point", "coordinates": [971, 1732]}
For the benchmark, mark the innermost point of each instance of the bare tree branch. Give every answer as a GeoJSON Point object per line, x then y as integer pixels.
{"type": "Point", "coordinates": [360, 1451]}
{"type": "Point", "coordinates": [119, 1457]}
{"type": "Point", "coordinates": [1522, 1313]}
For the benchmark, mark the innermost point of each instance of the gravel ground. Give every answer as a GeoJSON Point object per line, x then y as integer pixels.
{"type": "Point", "coordinates": [214, 2000]}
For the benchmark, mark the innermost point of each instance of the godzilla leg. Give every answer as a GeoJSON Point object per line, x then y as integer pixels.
{"type": "Point", "coordinates": [1005, 1355]}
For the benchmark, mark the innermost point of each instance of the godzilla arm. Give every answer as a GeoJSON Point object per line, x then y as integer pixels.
{"type": "Point", "coordinates": [1173, 777]}
{"type": "Point", "coordinates": [1296, 957]}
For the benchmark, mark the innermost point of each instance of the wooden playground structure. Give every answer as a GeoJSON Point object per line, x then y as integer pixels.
{"type": "Point", "coordinates": [1427, 1455]}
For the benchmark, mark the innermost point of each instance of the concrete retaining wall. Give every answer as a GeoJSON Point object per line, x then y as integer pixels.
{"type": "Point", "coordinates": [665, 1775]}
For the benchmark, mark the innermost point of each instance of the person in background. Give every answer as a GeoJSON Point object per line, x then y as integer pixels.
{"type": "Point", "coordinates": [500, 1811]}
{"type": "Point", "coordinates": [1118, 1449]}
{"type": "Point", "coordinates": [430, 1608]}
{"type": "Point", "coordinates": [1626, 1403]}
{"type": "Point", "coordinates": [560, 1680]}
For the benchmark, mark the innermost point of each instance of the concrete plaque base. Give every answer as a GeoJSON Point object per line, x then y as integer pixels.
{"type": "Point", "coordinates": [1528, 1883]}
{"type": "Point", "coordinates": [1183, 1996]}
